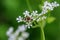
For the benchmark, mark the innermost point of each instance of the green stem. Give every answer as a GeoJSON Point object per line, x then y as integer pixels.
{"type": "Point", "coordinates": [42, 33]}
{"type": "Point", "coordinates": [28, 4]}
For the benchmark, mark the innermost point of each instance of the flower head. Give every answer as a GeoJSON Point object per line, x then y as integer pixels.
{"type": "Point", "coordinates": [29, 18]}
{"type": "Point", "coordinates": [15, 35]}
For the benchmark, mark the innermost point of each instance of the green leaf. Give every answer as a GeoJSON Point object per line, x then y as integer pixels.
{"type": "Point", "coordinates": [50, 19]}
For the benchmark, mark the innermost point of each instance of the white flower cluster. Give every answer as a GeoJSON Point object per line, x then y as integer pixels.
{"type": "Point", "coordinates": [19, 34]}
{"type": "Point", "coordinates": [28, 18]}
{"type": "Point", "coordinates": [48, 6]}
{"type": "Point", "coordinates": [35, 16]}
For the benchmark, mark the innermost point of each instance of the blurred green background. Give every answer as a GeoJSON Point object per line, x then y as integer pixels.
{"type": "Point", "coordinates": [11, 9]}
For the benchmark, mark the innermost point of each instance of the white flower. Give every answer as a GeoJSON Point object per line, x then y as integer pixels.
{"type": "Point", "coordinates": [19, 19]}
{"type": "Point", "coordinates": [15, 35]}
{"type": "Point", "coordinates": [26, 13]}
{"type": "Point", "coordinates": [34, 13]}
{"type": "Point", "coordinates": [28, 18]}
{"type": "Point", "coordinates": [9, 32]}
{"type": "Point", "coordinates": [48, 6]}
{"type": "Point", "coordinates": [55, 4]}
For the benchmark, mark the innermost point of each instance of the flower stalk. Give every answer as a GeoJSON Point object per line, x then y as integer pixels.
{"type": "Point", "coordinates": [42, 25]}
{"type": "Point", "coordinates": [42, 33]}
